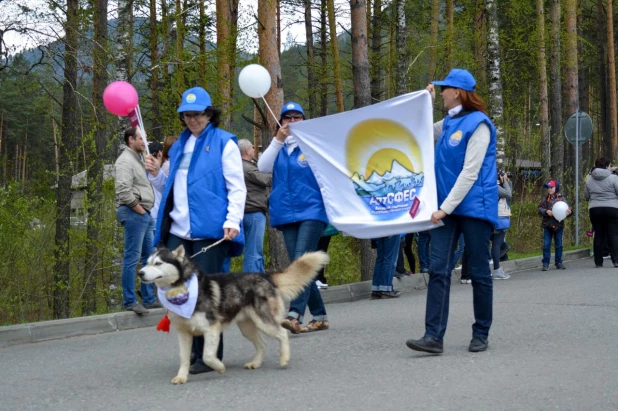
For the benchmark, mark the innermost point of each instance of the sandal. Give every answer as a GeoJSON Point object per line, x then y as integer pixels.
{"type": "Point", "coordinates": [292, 324]}
{"type": "Point", "coordinates": [315, 326]}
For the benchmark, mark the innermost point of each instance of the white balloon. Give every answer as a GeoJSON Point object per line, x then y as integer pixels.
{"type": "Point", "coordinates": [560, 210]}
{"type": "Point", "coordinates": [254, 80]}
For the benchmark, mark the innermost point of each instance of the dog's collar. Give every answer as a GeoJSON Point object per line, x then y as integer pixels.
{"type": "Point", "coordinates": [182, 298]}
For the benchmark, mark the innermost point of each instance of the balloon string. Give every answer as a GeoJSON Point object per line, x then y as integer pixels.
{"type": "Point", "coordinates": [141, 126]}
{"type": "Point", "coordinates": [271, 112]}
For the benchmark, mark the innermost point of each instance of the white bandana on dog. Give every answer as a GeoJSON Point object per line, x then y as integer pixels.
{"type": "Point", "coordinates": [182, 299]}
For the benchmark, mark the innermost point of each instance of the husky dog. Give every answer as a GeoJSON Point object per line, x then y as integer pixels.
{"type": "Point", "coordinates": [254, 301]}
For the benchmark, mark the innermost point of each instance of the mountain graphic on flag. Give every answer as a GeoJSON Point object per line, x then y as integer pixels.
{"type": "Point", "coordinates": [398, 179]}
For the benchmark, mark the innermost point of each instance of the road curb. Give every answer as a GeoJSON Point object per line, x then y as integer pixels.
{"type": "Point", "coordinates": [99, 324]}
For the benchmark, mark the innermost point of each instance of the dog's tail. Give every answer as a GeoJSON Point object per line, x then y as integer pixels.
{"type": "Point", "coordinates": [291, 281]}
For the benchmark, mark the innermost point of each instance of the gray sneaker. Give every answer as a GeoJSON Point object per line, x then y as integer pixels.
{"type": "Point", "coordinates": [155, 304]}
{"type": "Point", "coordinates": [499, 274]}
{"type": "Point", "coordinates": [138, 309]}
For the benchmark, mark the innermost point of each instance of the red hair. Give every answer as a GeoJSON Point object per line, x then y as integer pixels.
{"type": "Point", "coordinates": [471, 101]}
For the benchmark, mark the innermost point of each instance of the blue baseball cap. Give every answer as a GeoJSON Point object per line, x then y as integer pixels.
{"type": "Point", "coordinates": [194, 99]}
{"type": "Point", "coordinates": [458, 78]}
{"type": "Point", "coordinates": [291, 106]}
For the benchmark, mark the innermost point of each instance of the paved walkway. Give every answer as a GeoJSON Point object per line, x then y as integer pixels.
{"type": "Point", "coordinates": [552, 346]}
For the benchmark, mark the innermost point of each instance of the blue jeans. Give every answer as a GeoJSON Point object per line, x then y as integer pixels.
{"type": "Point", "coordinates": [444, 242]}
{"type": "Point", "coordinates": [424, 254]}
{"type": "Point", "coordinates": [254, 224]}
{"type": "Point", "coordinates": [386, 261]}
{"type": "Point", "coordinates": [299, 239]}
{"type": "Point", "coordinates": [138, 229]}
{"type": "Point", "coordinates": [547, 237]}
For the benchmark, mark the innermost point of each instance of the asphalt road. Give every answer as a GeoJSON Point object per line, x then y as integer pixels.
{"type": "Point", "coordinates": [553, 345]}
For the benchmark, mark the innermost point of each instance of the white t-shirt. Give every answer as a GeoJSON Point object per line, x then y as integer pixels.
{"type": "Point", "coordinates": [234, 182]}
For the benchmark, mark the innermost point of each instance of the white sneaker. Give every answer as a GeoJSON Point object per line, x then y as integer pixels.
{"type": "Point", "coordinates": [499, 274]}
{"type": "Point", "coordinates": [464, 281]}
{"type": "Point", "coordinates": [458, 267]}
{"type": "Point", "coordinates": [491, 261]}
{"type": "Point", "coordinates": [468, 281]}
{"type": "Point", "coordinates": [321, 285]}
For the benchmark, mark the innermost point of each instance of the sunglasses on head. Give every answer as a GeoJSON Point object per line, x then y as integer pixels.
{"type": "Point", "coordinates": [293, 117]}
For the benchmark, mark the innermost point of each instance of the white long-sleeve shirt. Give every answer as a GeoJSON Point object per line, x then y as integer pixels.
{"type": "Point", "coordinates": [267, 158]}
{"type": "Point", "coordinates": [234, 182]}
{"type": "Point", "coordinates": [473, 161]}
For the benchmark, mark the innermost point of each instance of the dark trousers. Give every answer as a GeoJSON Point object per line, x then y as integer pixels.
{"type": "Point", "coordinates": [496, 247]}
{"type": "Point", "coordinates": [444, 239]}
{"type": "Point", "coordinates": [323, 246]}
{"type": "Point", "coordinates": [210, 262]}
{"type": "Point", "coordinates": [605, 224]}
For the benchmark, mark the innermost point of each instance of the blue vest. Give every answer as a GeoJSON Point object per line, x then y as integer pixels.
{"type": "Point", "coordinates": [482, 199]}
{"type": "Point", "coordinates": [296, 195]}
{"type": "Point", "coordinates": [206, 190]}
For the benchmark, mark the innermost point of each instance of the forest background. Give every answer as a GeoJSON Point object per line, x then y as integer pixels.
{"type": "Point", "coordinates": [536, 63]}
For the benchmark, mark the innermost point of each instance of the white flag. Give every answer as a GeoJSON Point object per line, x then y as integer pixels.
{"type": "Point", "coordinates": [375, 166]}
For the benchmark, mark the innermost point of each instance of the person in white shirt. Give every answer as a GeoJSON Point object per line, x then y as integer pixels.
{"type": "Point", "coordinates": [203, 198]}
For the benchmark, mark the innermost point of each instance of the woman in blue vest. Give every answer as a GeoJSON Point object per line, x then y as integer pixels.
{"type": "Point", "coordinates": [297, 210]}
{"type": "Point", "coordinates": [204, 195]}
{"type": "Point", "coordinates": [465, 167]}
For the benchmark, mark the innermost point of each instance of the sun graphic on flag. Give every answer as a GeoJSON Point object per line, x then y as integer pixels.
{"type": "Point", "coordinates": [385, 164]}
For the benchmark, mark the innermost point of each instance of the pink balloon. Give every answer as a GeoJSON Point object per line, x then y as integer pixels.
{"type": "Point", "coordinates": [119, 98]}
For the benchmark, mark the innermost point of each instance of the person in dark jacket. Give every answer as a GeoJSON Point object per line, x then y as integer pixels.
{"type": "Point", "coordinates": [203, 198]}
{"type": "Point", "coordinates": [256, 207]}
{"type": "Point", "coordinates": [296, 209]}
{"type": "Point", "coordinates": [602, 193]}
{"type": "Point", "coordinates": [465, 167]}
{"type": "Point", "coordinates": [552, 228]}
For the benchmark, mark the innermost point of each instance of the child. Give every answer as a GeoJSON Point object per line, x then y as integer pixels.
{"type": "Point", "coordinates": [552, 228]}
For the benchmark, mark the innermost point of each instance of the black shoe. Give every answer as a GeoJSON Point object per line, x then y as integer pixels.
{"type": "Point", "coordinates": [199, 367]}
{"type": "Point", "coordinates": [426, 344]}
{"type": "Point", "coordinates": [478, 344]}
{"type": "Point", "coordinates": [399, 275]}
{"type": "Point", "coordinates": [377, 295]}
{"type": "Point", "coordinates": [545, 268]}
{"type": "Point", "coordinates": [560, 266]}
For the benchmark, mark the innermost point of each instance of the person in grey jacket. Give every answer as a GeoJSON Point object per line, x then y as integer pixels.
{"type": "Point", "coordinates": [505, 192]}
{"type": "Point", "coordinates": [135, 198]}
{"type": "Point", "coordinates": [602, 193]}
{"type": "Point", "coordinates": [256, 207]}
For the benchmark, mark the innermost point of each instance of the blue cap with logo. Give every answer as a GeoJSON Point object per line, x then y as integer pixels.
{"type": "Point", "coordinates": [194, 99]}
{"type": "Point", "coordinates": [458, 78]}
{"type": "Point", "coordinates": [291, 106]}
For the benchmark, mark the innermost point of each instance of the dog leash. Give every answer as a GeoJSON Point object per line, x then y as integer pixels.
{"type": "Point", "coordinates": [203, 250]}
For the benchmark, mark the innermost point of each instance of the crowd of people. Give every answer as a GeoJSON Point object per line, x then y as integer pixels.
{"type": "Point", "coordinates": [206, 185]}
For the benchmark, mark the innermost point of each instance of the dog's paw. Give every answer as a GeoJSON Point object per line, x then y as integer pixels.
{"type": "Point", "coordinates": [284, 363]}
{"type": "Point", "coordinates": [179, 379]}
{"type": "Point", "coordinates": [252, 365]}
{"type": "Point", "coordinates": [221, 370]}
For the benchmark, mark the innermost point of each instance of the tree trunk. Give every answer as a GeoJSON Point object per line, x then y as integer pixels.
{"type": "Point", "coordinates": [480, 44]}
{"type": "Point", "coordinates": [227, 19]}
{"type": "Point", "coordinates": [613, 112]}
{"type": "Point", "coordinates": [324, 57]}
{"type": "Point", "coordinates": [66, 148]}
{"type": "Point", "coordinates": [269, 58]}
{"type": "Point", "coordinates": [97, 155]}
{"type": "Point", "coordinates": [362, 98]}
{"type": "Point", "coordinates": [165, 30]}
{"type": "Point", "coordinates": [180, 38]}
{"type": "Point", "coordinates": [543, 109]}
{"type": "Point", "coordinates": [311, 87]}
{"type": "Point", "coordinates": [157, 130]}
{"type": "Point", "coordinates": [360, 59]}
{"type": "Point", "coordinates": [433, 39]}
{"type": "Point", "coordinates": [376, 46]}
{"type": "Point", "coordinates": [450, 23]}
{"type": "Point", "coordinates": [334, 48]}
{"type": "Point", "coordinates": [605, 140]}
{"type": "Point", "coordinates": [557, 139]}
{"type": "Point", "coordinates": [202, 44]}
{"type": "Point", "coordinates": [495, 83]}
{"type": "Point", "coordinates": [402, 48]}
